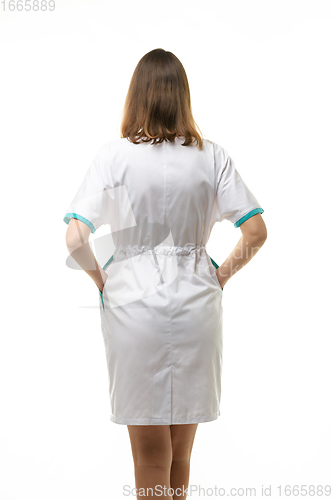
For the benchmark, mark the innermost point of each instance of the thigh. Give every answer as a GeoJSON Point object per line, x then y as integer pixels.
{"type": "Point", "coordinates": [182, 438]}
{"type": "Point", "coordinates": [150, 443]}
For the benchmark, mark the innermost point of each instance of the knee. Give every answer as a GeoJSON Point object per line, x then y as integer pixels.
{"type": "Point", "coordinates": [181, 453]}
{"type": "Point", "coordinates": [180, 459]}
{"type": "Point", "coordinates": [152, 461]}
{"type": "Point", "coordinates": [159, 458]}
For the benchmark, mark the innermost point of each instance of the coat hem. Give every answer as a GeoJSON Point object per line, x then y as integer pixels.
{"type": "Point", "coordinates": [164, 421]}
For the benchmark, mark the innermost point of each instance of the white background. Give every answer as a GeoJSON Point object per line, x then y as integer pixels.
{"type": "Point", "coordinates": [261, 86]}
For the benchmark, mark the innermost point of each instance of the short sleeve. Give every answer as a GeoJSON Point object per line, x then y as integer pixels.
{"type": "Point", "coordinates": [235, 202]}
{"type": "Point", "coordinates": [91, 202]}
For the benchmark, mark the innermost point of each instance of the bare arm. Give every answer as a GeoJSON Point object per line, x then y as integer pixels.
{"type": "Point", "coordinates": [77, 242]}
{"type": "Point", "coordinates": [254, 235]}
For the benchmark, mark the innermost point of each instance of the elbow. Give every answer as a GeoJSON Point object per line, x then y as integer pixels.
{"type": "Point", "coordinates": [255, 230]}
{"type": "Point", "coordinates": [263, 231]}
{"type": "Point", "coordinates": [262, 235]}
{"type": "Point", "coordinates": [255, 240]}
{"type": "Point", "coordinates": [73, 241]}
{"type": "Point", "coordinates": [77, 234]}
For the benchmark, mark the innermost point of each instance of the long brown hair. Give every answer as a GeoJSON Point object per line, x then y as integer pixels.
{"type": "Point", "coordinates": [158, 102]}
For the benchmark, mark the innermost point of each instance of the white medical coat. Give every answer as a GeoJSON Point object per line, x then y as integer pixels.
{"type": "Point", "coordinates": [161, 306]}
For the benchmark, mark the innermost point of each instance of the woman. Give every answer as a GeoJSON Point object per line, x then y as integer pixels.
{"type": "Point", "coordinates": [161, 187]}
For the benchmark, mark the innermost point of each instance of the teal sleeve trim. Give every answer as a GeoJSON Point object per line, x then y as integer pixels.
{"type": "Point", "coordinates": [247, 216]}
{"type": "Point", "coordinates": [68, 216]}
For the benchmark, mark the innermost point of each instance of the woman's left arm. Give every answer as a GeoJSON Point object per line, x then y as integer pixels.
{"type": "Point", "coordinates": [77, 242]}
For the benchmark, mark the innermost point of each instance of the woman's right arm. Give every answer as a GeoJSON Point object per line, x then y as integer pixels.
{"type": "Point", "coordinates": [254, 235]}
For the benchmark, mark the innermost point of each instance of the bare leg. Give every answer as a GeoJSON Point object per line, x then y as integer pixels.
{"type": "Point", "coordinates": [152, 455]}
{"type": "Point", "coordinates": [182, 437]}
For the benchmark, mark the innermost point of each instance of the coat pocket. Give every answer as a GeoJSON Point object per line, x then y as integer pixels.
{"type": "Point", "coordinates": [215, 278]}
{"type": "Point", "coordinates": [101, 297]}
{"type": "Point", "coordinates": [217, 281]}
{"type": "Point", "coordinates": [101, 293]}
